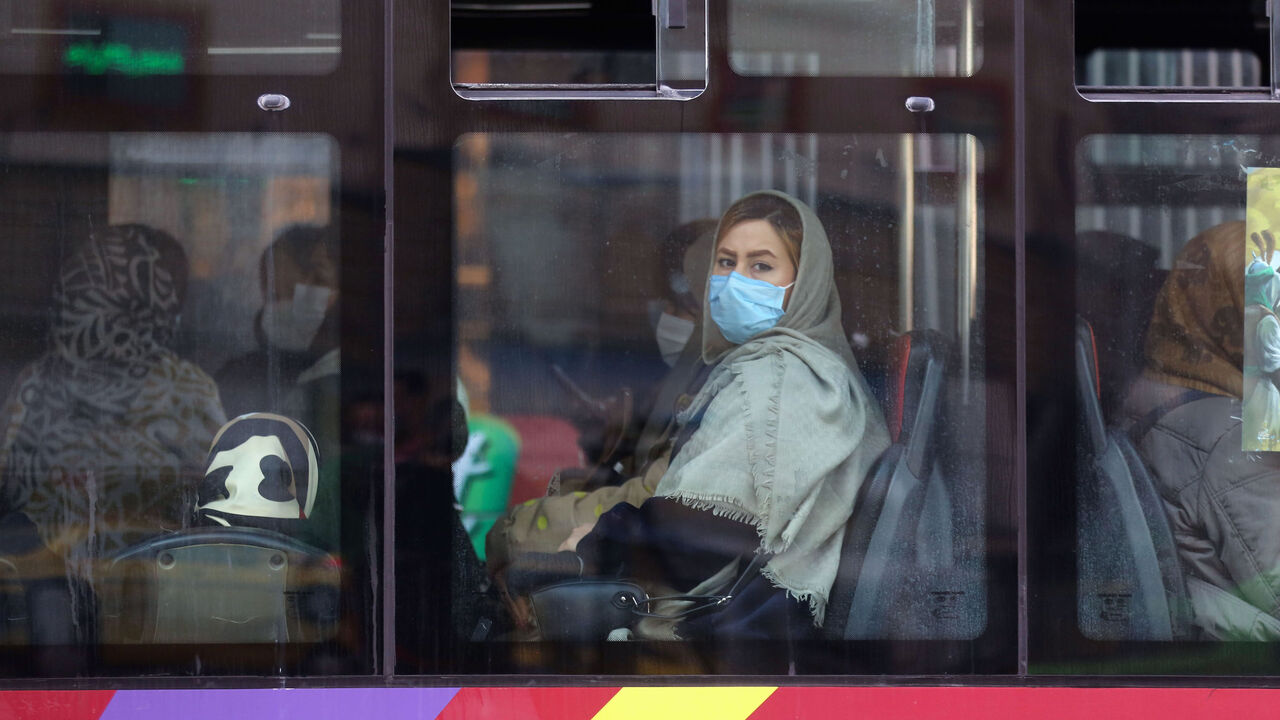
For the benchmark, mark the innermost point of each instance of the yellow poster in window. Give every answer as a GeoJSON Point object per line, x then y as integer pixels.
{"type": "Point", "coordinates": [1261, 412]}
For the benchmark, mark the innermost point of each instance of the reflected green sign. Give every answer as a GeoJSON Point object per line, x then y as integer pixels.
{"type": "Point", "coordinates": [97, 59]}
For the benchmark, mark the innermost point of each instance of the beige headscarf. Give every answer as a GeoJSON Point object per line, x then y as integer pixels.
{"type": "Point", "coordinates": [1196, 336]}
{"type": "Point", "coordinates": [788, 430]}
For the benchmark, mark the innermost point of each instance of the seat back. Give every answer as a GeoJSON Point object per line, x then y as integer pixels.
{"type": "Point", "coordinates": [220, 585]}
{"type": "Point", "coordinates": [1130, 584]}
{"type": "Point", "coordinates": [901, 523]}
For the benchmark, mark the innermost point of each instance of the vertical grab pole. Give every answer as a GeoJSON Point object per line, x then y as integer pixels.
{"type": "Point", "coordinates": [967, 250]}
{"type": "Point", "coordinates": [966, 211]}
{"type": "Point", "coordinates": [906, 230]}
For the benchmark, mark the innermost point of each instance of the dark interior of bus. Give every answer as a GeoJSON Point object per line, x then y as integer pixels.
{"type": "Point", "coordinates": [321, 360]}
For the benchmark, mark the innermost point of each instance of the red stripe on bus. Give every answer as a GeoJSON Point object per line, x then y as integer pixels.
{"type": "Point", "coordinates": [54, 704]}
{"type": "Point", "coordinates": [580, 703]}
{"type": "Point", "coordinates": [973, 703]}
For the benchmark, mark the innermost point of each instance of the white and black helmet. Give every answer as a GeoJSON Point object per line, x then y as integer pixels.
{"type": "Point", "coordinates": [262, 471]}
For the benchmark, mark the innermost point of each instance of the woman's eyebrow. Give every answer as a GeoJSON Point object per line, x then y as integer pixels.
{"type": "Point", "coordinates": [758, 253]}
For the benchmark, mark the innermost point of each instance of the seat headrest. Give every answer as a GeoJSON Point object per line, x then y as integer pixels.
{"type": "Point", "coordinates": [913, 355]}
{"type": "Point", "coordinates": [917, 379]}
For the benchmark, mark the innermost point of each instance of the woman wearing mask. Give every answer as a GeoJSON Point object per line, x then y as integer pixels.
{"type": "Point", "coordinates": [546, 524]}
{"type": "Point", "coordinates": [295, 369]}
{"type": "Point", "coordinates": [770, 452]}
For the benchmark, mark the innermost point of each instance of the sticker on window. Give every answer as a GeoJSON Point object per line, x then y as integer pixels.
{"type": "Point", "coordinates": [1261, 412]}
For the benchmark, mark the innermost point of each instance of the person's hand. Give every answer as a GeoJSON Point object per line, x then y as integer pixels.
{"type": "Point", "coordinates": [603, 426]}
{"type": "Point", "coordinates": [571, 542]}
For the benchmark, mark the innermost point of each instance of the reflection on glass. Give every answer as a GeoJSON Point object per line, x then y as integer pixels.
{"type": "Point", "coordinates": [155, 38]}
{"type": "Point", "coordinates": [164, 284]}
{"type": "Point", "coordinates": [547, 67]}
{"type": "Point", "coordinates": [1189, 68]}
{"type": "Point", "coordinates": [919, 38]}
{"type": "Point", "coordinates": [1175, 515]}
{"type": "Point", "coordinates": [623, 350]}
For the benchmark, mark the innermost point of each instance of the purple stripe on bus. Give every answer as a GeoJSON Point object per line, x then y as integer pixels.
{"type": "Point", "coordinates": [310, 703]}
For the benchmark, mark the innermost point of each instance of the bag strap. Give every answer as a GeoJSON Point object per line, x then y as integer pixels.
{"type": "Point", "coordinates": [703, 602]}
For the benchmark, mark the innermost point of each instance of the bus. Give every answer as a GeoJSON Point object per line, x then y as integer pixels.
{"type": "Point", "coordinates": [342, 335]}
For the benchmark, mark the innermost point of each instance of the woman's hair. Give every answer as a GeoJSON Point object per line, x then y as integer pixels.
{"type": "Point", "coordinates": [779, 213]}
{"type": "Point", "coordinates": [297, 245]}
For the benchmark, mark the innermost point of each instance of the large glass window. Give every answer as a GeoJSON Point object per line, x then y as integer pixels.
{"type": "Point", "coordinates": [169, 472]}
{"type": "Point", "coordinates": [583, 265]}
{"type": "Point", "coordinates": [1176, 502]}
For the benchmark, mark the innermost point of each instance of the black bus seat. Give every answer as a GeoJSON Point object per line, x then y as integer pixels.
{"type": "Point", "coordinates": [220, 585]}
{"type": "Point", "coordinates": [901, 529]}
{"type": "Point", "coordinates": [1130, 583]}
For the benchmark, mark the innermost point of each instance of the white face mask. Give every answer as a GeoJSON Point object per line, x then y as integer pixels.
{"type": "Point", "coordinates": [673, 334]}
{"type": "Point", "coordinates": [293, 324]}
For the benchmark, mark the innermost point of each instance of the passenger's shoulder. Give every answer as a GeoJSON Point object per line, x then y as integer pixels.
{"type": "Point", "coordinates": [185, 374]}
{"type": "Point", "coordinates": [791, 362]}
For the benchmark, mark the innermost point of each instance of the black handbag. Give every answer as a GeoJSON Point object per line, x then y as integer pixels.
{"type": "Point", "coordinates": [587, 610]}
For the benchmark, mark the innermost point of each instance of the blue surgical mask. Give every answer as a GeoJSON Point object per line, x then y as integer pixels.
{"type": "Point", "coordinates": [743, 307]}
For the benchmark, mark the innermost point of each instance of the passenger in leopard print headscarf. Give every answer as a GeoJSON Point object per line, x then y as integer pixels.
{"type": "Point", "coordinates": [104, 436]}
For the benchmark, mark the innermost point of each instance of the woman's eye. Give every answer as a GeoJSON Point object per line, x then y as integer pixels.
{"type": "Point", "coordinates": [725, 262]}
{"type": "Point", "coordinates": [761, 267]}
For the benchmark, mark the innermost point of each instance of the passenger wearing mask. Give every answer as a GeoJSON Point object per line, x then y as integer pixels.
{"type": "Point", "coordinates": [104, 434]}
{"type": "Point", "coordinates": [295, 369]}
{"type": "Point", "coordinates": [769, 453]}
{"type": "Point", "coordinates": [616, 438]}
{"type": "Point", "coordinates": [1185, 419]}
{"type": "Point", "coordinates": [578, 495]}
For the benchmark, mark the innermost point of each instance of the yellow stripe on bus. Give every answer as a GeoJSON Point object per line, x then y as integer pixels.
{"type": "Point", "coordinates": [684, 703]}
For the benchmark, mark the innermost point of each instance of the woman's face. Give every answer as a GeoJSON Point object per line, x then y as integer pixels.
{"type": "Point", "coordinates": [754, 249]}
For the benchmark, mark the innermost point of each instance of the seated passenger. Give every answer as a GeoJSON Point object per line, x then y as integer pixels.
{"type": "Point", "coordinates": [297, 334]}
{"type": "Point", "coordinates": [770, 452]}
{"type": "Point", "coordinates": [104, 435]}
{"type": "Point", "coordinates": [675, 317]}
{"type": "Point", "coordinates": [295, 369]}
{"type": "Point", "coordinates": [544, 524]}
{"type": "Point", "coordinates": [1185, 414]}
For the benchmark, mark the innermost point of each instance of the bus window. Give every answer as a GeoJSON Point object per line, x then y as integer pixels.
{"type": "Point", "coordinates": [831, 38]}
{"type": "Point", "coordinates": [1172, 45]}
{"type": "Point", "coordinates": [1176, 505]}
{"type": "Point", "coordinates": [596, 49]}
{"type": "Point", "coordinates": [598, 388]}
{"type": "Point", "coordinates": [169, 469]}
{"type": "Point", "coordinates": [187, 37]}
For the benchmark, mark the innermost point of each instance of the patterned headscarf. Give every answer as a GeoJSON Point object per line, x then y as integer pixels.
{"type": "Point", "coordinates": [1196, 336]}
{"type": "Point", "coordinates": [117, 304]}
